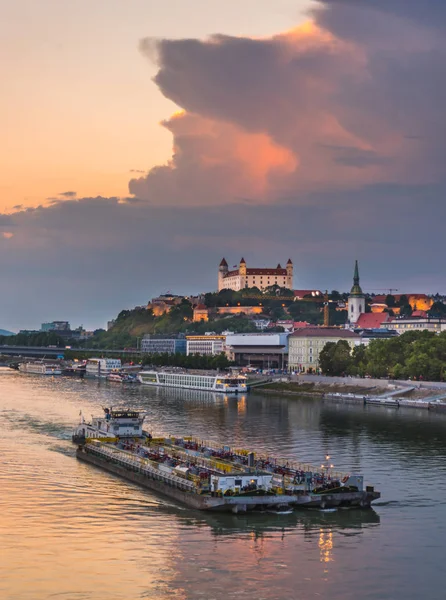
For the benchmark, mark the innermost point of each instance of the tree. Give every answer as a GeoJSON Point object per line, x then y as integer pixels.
{"type": "Point", "coordinates": [335, 358]}
{"type": "Point", "coordinates": [438, 309]}
{"type": "Point", "coordinates": [326, 358]}
{"type": "Point", "coordinates": [390, 301]}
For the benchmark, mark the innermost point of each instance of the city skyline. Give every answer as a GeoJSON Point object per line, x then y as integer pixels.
{"type": "Point", "coordinates": [303, 129]}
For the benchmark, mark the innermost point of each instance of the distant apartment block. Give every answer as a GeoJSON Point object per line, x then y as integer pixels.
{"type": "Point", "coordinates": [415, 324]}
{"type": "Point", "coordinates": [162, 344]}
{"type": "Point", "coordinates": [56, 326]}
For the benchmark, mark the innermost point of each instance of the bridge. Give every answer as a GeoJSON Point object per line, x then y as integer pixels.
{"type": "Point", "coordinates": [47, 352]}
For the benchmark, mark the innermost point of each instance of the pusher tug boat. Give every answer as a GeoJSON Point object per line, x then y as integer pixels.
{"type": "Point", "coordinates": [204, 476]}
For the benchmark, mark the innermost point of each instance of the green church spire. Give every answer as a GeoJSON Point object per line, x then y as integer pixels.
{"type": "Point", "coordinates": [356, 289]}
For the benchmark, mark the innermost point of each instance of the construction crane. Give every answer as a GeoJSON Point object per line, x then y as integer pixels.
{"type": "Point", "coordinates": [389, 290]}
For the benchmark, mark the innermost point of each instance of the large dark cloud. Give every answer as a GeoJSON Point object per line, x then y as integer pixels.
{"type": "Point", "coordinates": [86, 260]}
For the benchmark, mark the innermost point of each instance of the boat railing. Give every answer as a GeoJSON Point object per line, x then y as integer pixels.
{"type": "Point", "coordinates": [286, 463]}
{"type": "Point", "coordinates": [143, 465]}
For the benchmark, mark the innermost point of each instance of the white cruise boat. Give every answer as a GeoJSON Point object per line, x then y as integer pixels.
{"type": "Point", "coordinates": [40, 368]}
{"type": "Point", "coordinates": [227, 384]}
{"type": "Point", "coordinates": [101, 367]}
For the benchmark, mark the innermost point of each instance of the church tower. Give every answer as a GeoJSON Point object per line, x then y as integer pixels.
{"type": "Point", "coordinates": [222, 271]}
{"type": "Point", "coordinates": [356, 300]}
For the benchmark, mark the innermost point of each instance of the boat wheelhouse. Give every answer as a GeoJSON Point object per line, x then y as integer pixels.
{"type": "Point", "coordinates": [122, 423]}
{"type": "Point", "coordinates": [40, 368]}
{"type": "Point", "coordinates": [228, 384]}
{"type": "Point", "coordinates": [101, 367]}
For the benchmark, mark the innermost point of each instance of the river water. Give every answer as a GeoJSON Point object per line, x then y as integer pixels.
{"type": "Point", "coordinates": [71, 531]}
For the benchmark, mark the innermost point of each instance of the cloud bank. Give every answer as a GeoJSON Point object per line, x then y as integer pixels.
{"type": "Point", "coordinates": [325, 143]}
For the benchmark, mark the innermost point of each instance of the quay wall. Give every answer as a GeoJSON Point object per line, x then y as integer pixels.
{"type": "Point", "coordinates": [362, 382]}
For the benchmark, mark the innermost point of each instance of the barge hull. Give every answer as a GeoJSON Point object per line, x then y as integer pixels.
{"type": "Point", "coordinates": [233, 504]}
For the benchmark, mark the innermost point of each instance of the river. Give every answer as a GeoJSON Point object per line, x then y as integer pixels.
{"type": "Point", "coordinates": [71, 531]}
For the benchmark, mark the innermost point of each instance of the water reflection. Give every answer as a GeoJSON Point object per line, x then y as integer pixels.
{"type": "Point", "coordinates": [67, 528]}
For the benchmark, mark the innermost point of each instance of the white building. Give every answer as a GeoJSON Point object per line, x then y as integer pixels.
{"type": "Point", "coordinates": [210, 345]}
{"type": "Point", "coordinates": [245, 277]}
{"type": "Point", "coordinates": [415, 324]}
{"type": "Point", "coordinates": [262, 350]}
{"type": "Point", "coordinates": [356, 300]}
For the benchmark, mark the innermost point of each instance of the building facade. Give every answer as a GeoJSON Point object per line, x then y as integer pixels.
{"type": "Point", "coordinates": [162, 344]}
{"type": "Point", "coordinates": [356, 299]}
{"type": "Point", "coordinates": [210, 345]}
{"type": "Point", "coordinates": [56, 326]}
{"type": "Point", "coordinates": [305, 345]}
{"type": "Point", "coordinates": [245, 277]}
{"type": "Point", "coordinates": [413, 324]}
{"type": "Point", "coordinates": [259, 350]}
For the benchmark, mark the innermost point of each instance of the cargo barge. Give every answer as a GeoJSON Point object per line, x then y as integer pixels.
{"type": "Point", "coordinates": [204, 476]}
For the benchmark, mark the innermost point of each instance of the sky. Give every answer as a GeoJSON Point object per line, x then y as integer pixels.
{"type": "Point", "coordinates": [142, 141]}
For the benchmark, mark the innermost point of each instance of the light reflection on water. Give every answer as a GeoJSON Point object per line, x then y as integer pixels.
{"type": "Point", "coordinates": [68, 530]}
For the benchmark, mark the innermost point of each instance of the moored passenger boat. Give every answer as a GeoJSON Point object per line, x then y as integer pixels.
{"type": "Point", "coordinates": [121, 377]}
{"type": "Point", "coordinates": [205, 476]}
{"type": "Point", "coordinates": [101, 367]}
{"type": "Point", "coordinates": [228, 384]}
{"type": "Point", "coordinates": [40, 368]}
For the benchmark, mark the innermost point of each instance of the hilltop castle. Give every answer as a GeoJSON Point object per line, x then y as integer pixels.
{"type": "Point", "coordinates": [261, 278]}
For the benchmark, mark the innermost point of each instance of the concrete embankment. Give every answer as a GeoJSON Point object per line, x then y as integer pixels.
{"type": "Point", "coordinates": [404, 394]}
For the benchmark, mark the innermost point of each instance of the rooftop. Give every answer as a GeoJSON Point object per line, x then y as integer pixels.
{"type": "Point", "coordinates": [325, 332]}
{"type": "Point", "coordinates": [372, 320]}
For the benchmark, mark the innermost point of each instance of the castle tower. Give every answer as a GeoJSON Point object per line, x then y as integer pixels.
{"type": "Point", "coordinates": [242, 273]}
{"type": "Point", "coordinates": [289, 274]}
{"type": "Point", "coordinates": [356, 300]}
{"type": "Point", "coordinates": [222, 271]}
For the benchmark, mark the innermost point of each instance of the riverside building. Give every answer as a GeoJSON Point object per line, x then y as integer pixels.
{"type": "Point", "coordinates": [210, 345]}
{"type": "Point", "coordinates": [163, 344]}
{"type": "Point", "coordinates": [305, 345]}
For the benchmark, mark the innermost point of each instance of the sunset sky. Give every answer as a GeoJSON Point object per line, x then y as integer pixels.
{"type": "Point", "coordinates": [143, 140]}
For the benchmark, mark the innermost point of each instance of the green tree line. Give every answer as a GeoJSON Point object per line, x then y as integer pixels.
{"type": "Point", "coordinates": [412, 355]}
{"type": "Point", "coordinates": [191, 361]}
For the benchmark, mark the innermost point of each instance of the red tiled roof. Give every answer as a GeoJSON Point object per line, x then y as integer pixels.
{"type": "Point", "coordinates": [372, 320]}
{"type": "Point", "coordinates": [260, 272]}
{"type": "Point", "coordinates": [300, 324]}
{"type": "Point", "coordinates": [200, 307]}
{"type": "Point", "coordinates": [266, 271]}
{"type": "Point", "coordinates": [382, 298]}
{"type": "Point", "coordinates": [325, 332]}
{"type": "Point", "coordinates": [419, 313]}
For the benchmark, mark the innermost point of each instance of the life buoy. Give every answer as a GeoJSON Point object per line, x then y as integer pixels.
{"type": "Point", "coordinates": [346, 478]}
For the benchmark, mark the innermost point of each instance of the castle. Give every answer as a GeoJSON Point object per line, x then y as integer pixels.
{"type": "Point", "coordinates": [260, 278]}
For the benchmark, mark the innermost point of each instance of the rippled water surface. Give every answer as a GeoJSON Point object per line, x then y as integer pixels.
{"type": "Point", "coordinates": [70, 531]}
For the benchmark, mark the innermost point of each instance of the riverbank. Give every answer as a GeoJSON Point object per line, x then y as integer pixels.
{"type": "Point", "coordinates": [400, 394]}
{"type": "Point", "coordinates": [296, 388]}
